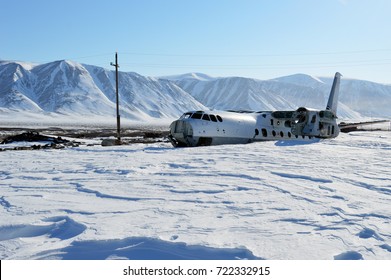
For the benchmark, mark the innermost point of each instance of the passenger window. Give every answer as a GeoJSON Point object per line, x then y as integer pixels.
{"type": "Point", "coordinates": [282, 134]}
{"type": "Point", "coordinates": [274, 133]}
{"type": "Point", "coordinates": [219, 118]}
{"type": "Point", "coordinates": [196, 116]}
{"type": "Point", "coordinates": [264, 132]}
{"type": "Point", "coordinates": [205, 117]}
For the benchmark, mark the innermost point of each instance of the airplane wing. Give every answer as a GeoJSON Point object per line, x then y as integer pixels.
{"type": "Point", "coordinates": [348, 127]}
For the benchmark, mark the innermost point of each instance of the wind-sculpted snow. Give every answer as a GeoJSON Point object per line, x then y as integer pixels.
{"type": "Point", "coordinates": [59, 227]}
{"type": "Point", "coordinates": [326, 199]}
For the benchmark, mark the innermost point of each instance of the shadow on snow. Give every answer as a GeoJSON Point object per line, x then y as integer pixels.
{"type": "Point", "coordinates": [283, 143]}
{"type": "Point", "coordinates": [142, 248]}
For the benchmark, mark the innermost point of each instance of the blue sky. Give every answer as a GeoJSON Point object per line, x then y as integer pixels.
{"type": "Point", "coordinates": [250, 38]}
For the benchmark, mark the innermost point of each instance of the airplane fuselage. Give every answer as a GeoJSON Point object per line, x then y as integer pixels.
{"type": "Point", "coordinates": [204, 128]}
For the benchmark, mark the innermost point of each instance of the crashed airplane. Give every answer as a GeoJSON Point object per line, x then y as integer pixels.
{"type": "Point", "coordinates": [205, 128]}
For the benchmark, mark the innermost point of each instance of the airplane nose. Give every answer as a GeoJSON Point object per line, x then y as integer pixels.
{"type": "Point", "coordinates": [181, 133]}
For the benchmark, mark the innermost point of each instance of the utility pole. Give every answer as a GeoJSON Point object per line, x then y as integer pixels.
{"type": "Point", "coordinates": [116, 95]}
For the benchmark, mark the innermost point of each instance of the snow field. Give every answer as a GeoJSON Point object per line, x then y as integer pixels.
{"type": "Point", "coordinates": [327, 199]}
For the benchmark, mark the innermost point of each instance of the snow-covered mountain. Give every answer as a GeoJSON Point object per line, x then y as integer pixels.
{"type": "Point", "coordinates": [368, 98]}
{"type": "Point", "coordinates": [357, 97]}
{"type": "Point", "coordinates": [69, 88]}
{"type": "Point", "coordinates": [66, 88]}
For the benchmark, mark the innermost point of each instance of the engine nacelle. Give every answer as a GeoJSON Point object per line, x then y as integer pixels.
{"type": "Point", "coordinates": [321, 124]}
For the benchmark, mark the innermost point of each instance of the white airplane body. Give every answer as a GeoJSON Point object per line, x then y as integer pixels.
{"type": "Point", "coordinates": [204, 128]}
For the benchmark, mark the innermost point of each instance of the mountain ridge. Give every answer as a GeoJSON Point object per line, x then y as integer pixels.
{"type": "Point", "coordinates": [358, 98]}
{"type": "Point", "coordinates": [69, 88]}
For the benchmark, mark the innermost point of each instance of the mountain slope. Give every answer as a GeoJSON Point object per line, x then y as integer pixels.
{"type": "Point", "coordinates": [16, 87]}
{"type": "Point", "coordinates": [368, 98]}
{"type": "Point", "coordinates": [357, 98]}
{"type": "Point", "coordinates": [251, 94]}
{"type": "Point", "coordinates": [66, 88]}
{"type": "Point", "coordinates": [70, 88]}
{"type": "Point", "coordinates": [233, 93]}
{"type": "Point", "coordinates": [145, 95]}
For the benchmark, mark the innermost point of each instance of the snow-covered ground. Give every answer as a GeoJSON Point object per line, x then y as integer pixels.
{"type": "Point", "coordinates": [328, 199]}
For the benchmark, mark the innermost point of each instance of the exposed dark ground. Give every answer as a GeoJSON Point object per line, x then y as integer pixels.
{"type": "Point", "coordinates": [128, 135]}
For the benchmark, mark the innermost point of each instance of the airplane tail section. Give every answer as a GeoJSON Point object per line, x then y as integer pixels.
{"type": "Point", "coordinates": [334, 93]}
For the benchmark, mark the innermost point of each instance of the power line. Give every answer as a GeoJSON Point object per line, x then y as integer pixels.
{"type": "Point", "coordinates": [256, 55]}
{"type": "Point", "coordinates": [265, 66]}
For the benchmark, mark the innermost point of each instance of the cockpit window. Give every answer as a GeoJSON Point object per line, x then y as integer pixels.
{"type": "Point", "coordinates": [196, 116]}
{"type": "Point", "coordinates": [186, 115]}
{"type": "Point", "coordinates": [213, 118]}
{"type": "Point", "coordinates": [201, 116]}
{"type": "Point", "coordinates": [205, 117]}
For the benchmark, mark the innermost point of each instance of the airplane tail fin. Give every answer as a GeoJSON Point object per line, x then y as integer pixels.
{"type": "Point", "coordinates": [334, 93]}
